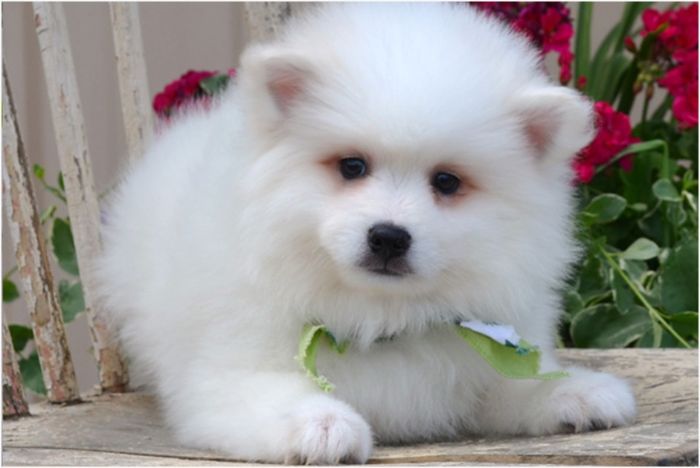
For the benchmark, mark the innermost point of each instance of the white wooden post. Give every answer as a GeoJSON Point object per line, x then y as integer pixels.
{"type": "Point", "coordinates": [83, 207]}
{"type": "Point", "coordinates": [133, 82]}
{"type": "Point", "coordinates": [33, 263]}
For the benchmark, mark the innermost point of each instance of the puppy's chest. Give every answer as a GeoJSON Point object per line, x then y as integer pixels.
{"type": "Point", "coordinates": [438, 365]}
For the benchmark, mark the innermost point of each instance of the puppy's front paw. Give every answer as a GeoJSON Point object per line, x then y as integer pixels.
{"type": "Point", "coordinates": [587, 401]}
{"type": "Point", "coordinates": [327, 431]}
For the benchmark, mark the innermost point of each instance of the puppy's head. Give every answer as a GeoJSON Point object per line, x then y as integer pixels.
{"type": "Point", "coordinates": [413, 149]}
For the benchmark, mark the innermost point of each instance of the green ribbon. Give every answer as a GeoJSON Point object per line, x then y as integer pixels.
{"type": "Point", "coordinates": [514, 361]}
{"type": "Point", "coordinates": [311, 338]}
{"type": "Point", "coordinates": [511, 360]}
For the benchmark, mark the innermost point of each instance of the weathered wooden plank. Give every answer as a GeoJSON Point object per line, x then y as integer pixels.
{"type": "Point", "coordinates": [131, 71]}
{"type": "Point", "coordinates": [83, 207]}
{"type": "Point", "coordinates": [32, 260]}
{"type": "Point", "coordinates": [61, 457]}
{"type": "Point", "coordinates": [666, 432]}
{"type": "Point", "coordinates": [14, 404]}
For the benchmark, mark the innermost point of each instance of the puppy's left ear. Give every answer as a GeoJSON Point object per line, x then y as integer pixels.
{"type": "Point", "coordinates": [273, 80]}
{"type": "Point", "coordinates": [556, 121]}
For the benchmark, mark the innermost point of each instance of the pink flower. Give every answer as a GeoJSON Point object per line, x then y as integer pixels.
{"type": "Point", "coordinates": [546, 24]}
{"type": "Point", "coordinates": [614, 134]}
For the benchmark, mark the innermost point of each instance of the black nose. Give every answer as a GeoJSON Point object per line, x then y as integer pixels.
{"type": "Point", "coordinates": [388, 240]}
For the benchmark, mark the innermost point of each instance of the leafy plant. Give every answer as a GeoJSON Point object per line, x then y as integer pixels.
{"type": "Point", "coordinates": [638, 218]}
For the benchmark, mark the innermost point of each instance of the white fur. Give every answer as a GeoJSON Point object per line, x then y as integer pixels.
{"type": "Point", "coordinates": [230, 235]}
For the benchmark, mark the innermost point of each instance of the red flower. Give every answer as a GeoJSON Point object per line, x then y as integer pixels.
{"type": "Point", "coordinates": [682, 84]}
{"type": "Point", "coordinates": [581, 83]}
{"type": "Point", "coordinates": [584, 171]}
{"type": "Point", "coordinates": [546, 24]}
{"type": "Point", "coordinates": [681, 27]}
{"type": "Point", "coordinates": [180, 91]}
{"type": "Point", "coordinates": [677, 47]}
{"type": "Point", "coordinates": [614, 133]}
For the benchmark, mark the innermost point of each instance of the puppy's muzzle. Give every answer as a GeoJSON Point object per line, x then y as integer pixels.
{"type": "Point", "coordinates": [388, 245]}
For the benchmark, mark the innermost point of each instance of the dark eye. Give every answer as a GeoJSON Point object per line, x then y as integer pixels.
{"type": "Point", "coordinates": [353, 168]}
{"type": "Point", "coordinates": [446, 183]}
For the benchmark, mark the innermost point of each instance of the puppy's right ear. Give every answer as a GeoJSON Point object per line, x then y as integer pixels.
{"type": "Point", "coordinates": [273, 80]}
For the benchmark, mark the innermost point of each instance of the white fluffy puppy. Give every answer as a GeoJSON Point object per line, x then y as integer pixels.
{"type": "Point", "coordinates": [384, 170]}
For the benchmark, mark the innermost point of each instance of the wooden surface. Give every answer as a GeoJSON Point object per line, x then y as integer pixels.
{"type": "Point", "coordinates": [83, 206]}
{"type": "Point", "coordinates": [126, 429]}
{"type": "Point", "coordinates": [33, 267]}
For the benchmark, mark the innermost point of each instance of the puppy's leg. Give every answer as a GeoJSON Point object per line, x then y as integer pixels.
{"type": "Point", "coordinates": [267, 416]}
{"type": "Point", "coordinates": [583, 401]}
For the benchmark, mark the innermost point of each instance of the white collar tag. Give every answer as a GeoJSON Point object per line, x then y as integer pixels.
{"type": "Point", "coordinates": [503, 334]}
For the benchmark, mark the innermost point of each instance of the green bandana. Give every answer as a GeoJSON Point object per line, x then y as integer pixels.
{"type": "Point", "coordinates": [499, 345]}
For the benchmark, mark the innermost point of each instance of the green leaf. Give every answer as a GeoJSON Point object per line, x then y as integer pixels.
{"type": "Point", "coordinates": [666, 191]}
{"type": "Point", "coordinates": [663, 108]}
{"type": "Point", "coordinates": [599, 65]}
{"type": "Point", "coordinates": [61, 185]}
{"type": "Point", "coordinates": [214, 84]}
{"type": "Point", "coordinates": [603, 326]}
{"type": "Point", "coordinates": [582, 46]}
{"type": "Point", "coordinates": [31, 374]}
{"type": "Point", "coordinates": [622, 294]}
{"type": "Point", "coordinates": [679, 279]}
{"type": "Point", "coordinates": [615, 70]}
{"type": "Point", "coordinates": [572, 302]}
{"type": "Point", "coordinates": [63, 246]}
{"type": "Point", "coordinates": [637, 182]}
{"type": "Point", "coordinates": [644, 146]}
{"type": "Point", "coordinates": [641, 249]}
{"type": "Point", "coordinates": [657, 338]}
{"type": "Point", "coordinates": [689, 180]}
{"type": "Point", "coordinates": [592, 279]}
{"type": "Point", "coordinates": [506, 360]}
{"type": "Point", "coordinates": [21, 335]}
{"type": "Point", "coordinates": [9, 290]}
{"type": "Point", "coordinates": [675, 214]}
{"type": "Point", "coordinates": [685, 323]}
{"type": "Point", "coordinates": [39, 171]}
{"type": "Point", "coordinates": [604, 208]}
{"type": "Point", "coordinates": [71, 298]}
{"type": "Point", "coordinates": [635, 269]}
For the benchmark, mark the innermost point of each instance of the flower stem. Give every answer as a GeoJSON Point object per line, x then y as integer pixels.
{"type": "Point", "coordinates": [10, 272]}
{"type": "Point", "coordinates": [645, 108]}
{"type": "Point", "coordinates": [653, 313]}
